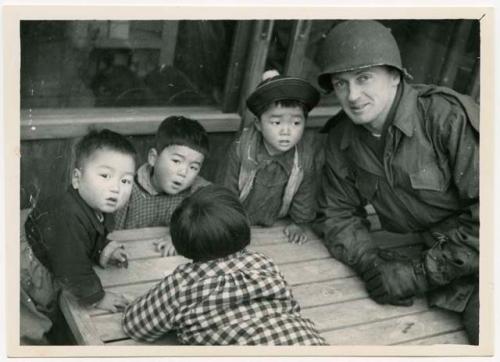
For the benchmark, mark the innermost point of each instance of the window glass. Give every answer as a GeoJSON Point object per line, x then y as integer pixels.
{"type": "Point", "coordinates": [124, 63]}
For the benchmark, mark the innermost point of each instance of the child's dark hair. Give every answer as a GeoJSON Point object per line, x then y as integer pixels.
{"type": "Point", "coordinates": [181, 131]}
{"type": "Point", "coordinates": [103, 139]}
{"type": "Point", "coordinates": [287, 103]}
{"type": "Point", "coordinates": [209, 224]}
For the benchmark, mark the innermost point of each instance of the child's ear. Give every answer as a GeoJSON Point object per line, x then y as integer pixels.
{"type": "Point", "coordinates": [75, 178]}
{"type": "Point", "coordinates": [257, 124]}
{"type": "Point", "coordinates": [152, 157]}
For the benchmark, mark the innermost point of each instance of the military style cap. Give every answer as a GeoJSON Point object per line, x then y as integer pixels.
{"type": "Point", "coordinates": [277, 87]}
{"type": "Point", "coordinates": [356, 44]}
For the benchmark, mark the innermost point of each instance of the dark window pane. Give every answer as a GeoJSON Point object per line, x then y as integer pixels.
{"type": "Point", "coordinates": [124, 63]}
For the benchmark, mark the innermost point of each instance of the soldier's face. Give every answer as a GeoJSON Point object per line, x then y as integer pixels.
{"type": "Point", "coordinates": [367, 94]}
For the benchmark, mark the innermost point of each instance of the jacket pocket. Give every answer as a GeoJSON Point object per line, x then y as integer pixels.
{"type": "Point", "coordinates": [429, 177]}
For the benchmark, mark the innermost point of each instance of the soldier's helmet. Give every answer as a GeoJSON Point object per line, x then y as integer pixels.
{"type": "Point", "coordinates": [356, 44]}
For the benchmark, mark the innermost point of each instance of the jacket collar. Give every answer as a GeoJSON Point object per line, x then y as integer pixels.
{"type": "Point", "coordinates": [100, 227]}
{"type": "Point", "coordinates": [404, 116]}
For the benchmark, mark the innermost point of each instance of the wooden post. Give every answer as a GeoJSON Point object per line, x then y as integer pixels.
{"type": "Point", "coordinates": [256, 63]}
{"type": "Point", "coordinates": [234, 77]}
{"type": "Point", "coordinates": [474, 87]}
{"type": "Point", "coordinates": [168, 42]}
{"type": "Point", "coordinates": [455, 51]}
{"type": "Point", "coordinates": [297, 47]}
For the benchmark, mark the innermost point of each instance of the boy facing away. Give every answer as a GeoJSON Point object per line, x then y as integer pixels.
{"type": "Point", "coordinates": [169, 175]}
{"type": "Point", "coordinates": [66, 235]}
{"type": "Point", "coordinates": [227, 294]}
{"type": "Point", "coordinates": [271, 166]}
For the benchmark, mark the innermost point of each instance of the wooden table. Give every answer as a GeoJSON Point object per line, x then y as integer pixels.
{"type": "Point", "coordinates": [328, 292]}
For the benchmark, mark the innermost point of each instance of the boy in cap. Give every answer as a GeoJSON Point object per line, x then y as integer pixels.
{"type": "Point", "coordinates": [412, 151]}
{"type": "Point", "coordinates": [270, 166]}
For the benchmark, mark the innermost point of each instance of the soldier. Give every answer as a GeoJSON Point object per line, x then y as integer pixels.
{"type": "Point", "coordinates": [412, 151]}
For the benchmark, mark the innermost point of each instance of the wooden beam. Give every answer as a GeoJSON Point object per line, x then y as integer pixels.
{"type": "Point", "coordinates": [396, 330]}
{"type": "Point", "coordinates": [78, 320]}
{"type": "Point", "coordinates": [297, 48]}
{"type": "Point", "coordinates": [168, 42]}
{"type": "Point", "coordinates": [45, 123]}
{"type": "Point", "coordinates": [454, 53]}
{"type": "Point", "coordinates": [256, 63]}
{"type": "Point", "coordinates": [234, 79]}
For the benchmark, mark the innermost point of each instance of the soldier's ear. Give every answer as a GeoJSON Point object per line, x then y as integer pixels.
{"type": "Point", "coordinates": [76, 175]}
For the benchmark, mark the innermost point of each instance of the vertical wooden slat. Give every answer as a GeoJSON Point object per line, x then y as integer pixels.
{"type": "Point", "coordinates": [256, 63]}
{"type": "Point", "coordinates": [168, 42]}
{"type": "Point", "coordinates": [474, 85]}
{"type": "Point", "coordinates": [234, 77]}
{"type": "Point", "coordinates": [455, 51]}
{"type": "Point", "coordinates": [297, 47]}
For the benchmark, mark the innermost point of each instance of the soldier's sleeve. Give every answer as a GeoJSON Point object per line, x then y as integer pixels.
{"type": "Point", "coordinates": [458, 254]}
{"type": "Point", "coordinates": [341, 219]}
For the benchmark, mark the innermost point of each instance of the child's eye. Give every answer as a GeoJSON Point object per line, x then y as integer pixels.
{"type": "Point", "coordinates": [126, 181]}
{"type": "Point", "coordinates": [195, 168]}
{"type": "Point", "coordinates": [176, 160]}
{"type": "Point", "coordinates": [105, 175]}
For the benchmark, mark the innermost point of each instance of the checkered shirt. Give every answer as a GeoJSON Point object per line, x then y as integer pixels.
{"type": "Point", "coordinates": [147, 207]}
{"type": "Point", "coordinates": [240, 299]}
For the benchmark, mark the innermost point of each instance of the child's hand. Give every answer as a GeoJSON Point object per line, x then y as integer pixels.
{"type": "Point", "coordinates": [165, 247]}
{"type": "Point", "coordinates": [113, 302]}
{"type": "Point", "coordinates": [119, 257]}
{"type": "Point", "coordinates": [295, 234]}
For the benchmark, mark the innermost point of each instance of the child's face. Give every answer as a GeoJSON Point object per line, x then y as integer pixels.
{"type": "Point", "coordinates": [105, 180]}
{"type": "Point", "coordinates": [175, 168]}
{"type": "Point", "coordinates": [281, 128]}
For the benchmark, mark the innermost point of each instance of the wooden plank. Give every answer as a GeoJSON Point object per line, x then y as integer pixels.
{"type": "Point", "coordinates": [297, 48]}
{"type": "Point", "coordinates": [235, 74]}
{"type": "Point", "coordinates": [73, 122]}
{"type": "Point", "coordinates": [80, 323]}
{"type": "Point", "coordinates": [109, 327]}
{"type": "Point", "coordinates": [139, 271]}
{"type": "Point", "coordinates": [168, 42]}
{"type": "Point", "coordinates": [148, 270]}
{"type": "Point", "coordinates": [353, 313]}
{"type": "Point", "coordinates": [458, 337]}
{"type": "Point", "coordinates": [280, 251]}
{"type": "Point", "coordinates": [311, 271]}
{"type": "Point", "coordinates": [350, 314]}
{"type": "Point", "coordinates": [169, 339]}
{"type": "Point", "coordinates": [308, 294]}
{"type": "Point", "coordinates": [396, 330]}
{"type": "Point", "coordinates": [330, 292]}
{"type": "Point", "coordinates": [256, 62]}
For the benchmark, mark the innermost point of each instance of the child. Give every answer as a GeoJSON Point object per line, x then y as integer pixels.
{"type": "Point", "coordinates": [227, 295]}
{"type": "Point", "coordinates": [66, 235]}
{"type": "Point", "coordinates": [169, 176]}
{"type": "Point", "coordinates": [271, 166]}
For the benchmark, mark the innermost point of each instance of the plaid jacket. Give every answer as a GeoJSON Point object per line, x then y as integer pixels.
{"type": "Point", "coordinates": [146, 207]}
{"type": "Point", "coordinates": [240, 299]}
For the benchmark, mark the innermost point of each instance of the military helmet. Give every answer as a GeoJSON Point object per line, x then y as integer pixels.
{"type": "Point", "coordinates": [356, 44]}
